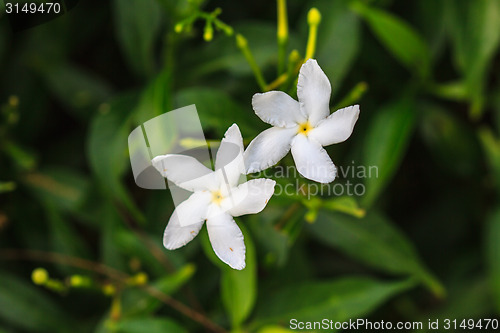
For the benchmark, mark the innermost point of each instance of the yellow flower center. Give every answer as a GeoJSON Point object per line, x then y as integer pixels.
{"type": "Point", "coordinates": [304, 128]}
{"type": "Point", "coordinates": [217, 197]}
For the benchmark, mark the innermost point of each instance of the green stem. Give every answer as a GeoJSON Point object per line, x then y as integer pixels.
{"type": "Point", "coordinates": [313, 19]}
{"type": "Point", "coordinates": [242, 44]}
{"type": "Point", "coordinates": [353, 96]}
{"type": "Point", "coordinates": [282, 35]}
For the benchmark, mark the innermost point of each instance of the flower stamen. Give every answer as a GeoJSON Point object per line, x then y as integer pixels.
{"type": "Point", "coordinates": [217, 197]}
{"type": "Point", "coordinates": [304, 128]}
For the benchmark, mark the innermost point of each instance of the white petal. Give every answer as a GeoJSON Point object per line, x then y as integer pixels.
{"type": "Point", "coordinates": [185, 172]}
{"type": "Point", "coordinates": [313, 90]}
{"type": "Point", "coordinates": [268, 148]}
{"type": "Point", "coordinates": [278, 109]}
{"type": "Point", "coordinates": [337, 127]}
{"type": "Point", "coordinates": [312, 160]}
{"type": "Point", "coordinates": [230, 156]}
{"type": "Point", "coordinates": [193, 209]}
{"type": "Point", "coordinates": [227, 240]}
{"type": "Point", "coordinates": [230, 146]}
{"type": "Point", "coordinates": [250, 197]}
{"type": "Point", "coordinates": [191, 213]}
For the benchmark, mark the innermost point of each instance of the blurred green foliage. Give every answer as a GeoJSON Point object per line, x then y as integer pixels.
{"type": "Point", "coordinates": [421, 243]}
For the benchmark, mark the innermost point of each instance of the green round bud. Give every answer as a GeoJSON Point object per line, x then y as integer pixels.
{"type": "Point", "coordinates": [40, 276]}
{"type": "Point", "coordinates": [76, 281]}
{"type": "Point", "coordinates": [141, 278]}
{"type": "Point", "coordinates": [241, 41]}
{"type": "Point", "coordinates": [108, 289]}
{"type": "Point", "coordinates": [314, 16]}
{"type": "Point", "coordinates": [294, 56]}
{"type": "Point", "coordinates": [208, 35]}
{"type": "Point", "coordinates": [179, 27]}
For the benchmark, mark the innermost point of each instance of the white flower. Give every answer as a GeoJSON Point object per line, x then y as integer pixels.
{"type": "Point", "coordinates": [304, 126]}
{"type": "Point", "coordinates": [217, 198]}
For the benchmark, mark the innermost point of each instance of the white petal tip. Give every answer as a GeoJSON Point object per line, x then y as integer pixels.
{"type": "Point", "coordinates": [172, 246]}
{"type": "Point", "coordinates": [240, 267]}
{"type": "Point", "coordinates": [233, 127]}
{"type": "Point", "coordinates": [239, 264]}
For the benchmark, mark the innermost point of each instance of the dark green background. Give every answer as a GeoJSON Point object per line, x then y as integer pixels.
{"type": "Point", "coordinates": [428, 246]}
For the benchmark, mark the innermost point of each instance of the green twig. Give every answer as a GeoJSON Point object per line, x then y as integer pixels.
{"type": "Point", "coordinates": [242, 44]}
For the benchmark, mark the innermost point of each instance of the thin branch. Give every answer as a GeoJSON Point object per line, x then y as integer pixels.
{"type": "Point", "coordinates": [57, 258]}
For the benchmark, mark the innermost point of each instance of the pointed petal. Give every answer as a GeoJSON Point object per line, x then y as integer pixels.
{"type": "Point", "coordinates": [176, 236]}
{"type": "Point", "coordinates": [186, 221]}
{"type": "Point", "coordinates": [278, 109]}
{"type": "Point", "coordinates": [268, 148]}
{"type": "Point", "coordinates": [250, 197]}
{"type": "Point", "coordinates": [227, 240]}
{"type": "Point", "coordinates": [230, 146]}
{"type": "Point", "coordinates": [230, 156]}
{"type": "Point", "coordinates": [337, 127]}
{"type": "Point", "coordinates": [185, 172]}
{"type": "Point", "coordinates": [312, 160]}
{"type": "Point", "coordinates": [313, 90]}
{"type": "Point", "coordinates": [193, 209]}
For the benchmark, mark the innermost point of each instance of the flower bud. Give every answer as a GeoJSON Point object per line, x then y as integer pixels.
{"type": "Point", "coordinates": [179, 27]}
{"type": "Point", "coordinates": [209, 32]}
{"type": "Point", "coordinates": [241, 41]}
{"type": "Point", "coordinates": [40, 276]}
{"type": "Point", "coordinates": [314, 16]}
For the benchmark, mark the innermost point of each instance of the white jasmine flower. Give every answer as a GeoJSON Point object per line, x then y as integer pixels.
{"type": "Point", "coordinates": [217, 198]}
{"type": "Point", "coordinates": [304, 126]}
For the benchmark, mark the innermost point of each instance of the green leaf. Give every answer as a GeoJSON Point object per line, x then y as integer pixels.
{"type": "Point", "coordinates": [24, 159]}
{"type": "Point", "coordinates": [238, 287]}
{"type": "Point", "coordinates": [137, 302]}
{"type": "Point", "coordinates": [137, 24]}
{"type": "Point", "coordinates": [274, 329]}
{"type": "Point", "coordinates": [149, 325]}
{"type": "Point", "coordinates": [492, 235]}
{"type": "Point", "coordinates": [346, 204]}
{"type": "Point", "coordinates": [453, 144]}
{"type": "Point", "coordinates": [64, 188]}
{"type": "Point", "coordinates": [374, 241]}
{"type": "Point", "coordinates": [491, 148]}
{"type": "Point", "coordinates": [135, 245]}
{"type": "Point", "coordinates": [78, 90]}
{"type": "Point", "coordinates": [430, 17]}
{"type": "Point", "coordinates": [271, 241]}
{"type": "Point", "coordinates": [65, 239]}
{"type": "Point", "coordinates": [6, 187]}
{"type": "Point", "coordinates": [217, 110]}
{"type": "Point", "coordinates": [455, 91]}
{"type": "Point", "coordinates": [339, 35]}
{"type": "Point", "coordinates": [338, 300]}
{"type": "Point", "coordinates": [469, 298]}
{"type": "Point", "coordinates": [111, 224]}
{"type": "Point", "coordinates": [27, 307]}
{"type": "Point", "coordinates": [156, 98]}
{"type": "Point", "coordinates": [107, 149]}
{"type": "Point", "coordinates": [475, 30]}
{"type": "Point", "coordinates": [385, 145]}
{"type": "Point", "coordinates": [398, 37]}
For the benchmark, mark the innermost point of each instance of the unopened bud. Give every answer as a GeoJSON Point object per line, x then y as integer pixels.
{"type": "Point", "coordinates": [40, 276]}
{"type": "Point", "coordinates": [314, 16]}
